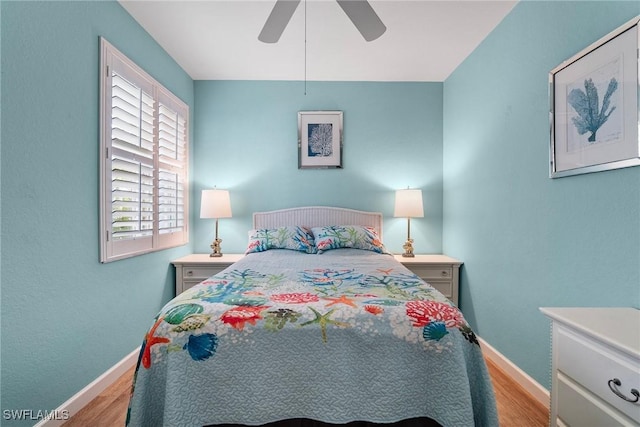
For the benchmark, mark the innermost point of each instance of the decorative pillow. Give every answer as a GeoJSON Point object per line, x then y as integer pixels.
{"type": "Point", "coordinates": [348, 236]}
{"type": "Point", "coordinates": [292, 237]}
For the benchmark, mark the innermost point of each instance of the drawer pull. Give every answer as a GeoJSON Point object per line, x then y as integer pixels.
{"type": "Point", "coordinates": [189, 273]}
{"type": "Point", "coordinates": [615, 383]}
{"type": "Point", "coordinates": [444, 273]}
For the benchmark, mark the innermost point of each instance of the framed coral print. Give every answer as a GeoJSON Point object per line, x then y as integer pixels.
{"type": "Point", "coordinates": [594, 106]}
{"type": "Point", "coordinates": [319, 139]}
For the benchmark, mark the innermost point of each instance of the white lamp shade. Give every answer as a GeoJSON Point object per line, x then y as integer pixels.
{"type": "Point", "coordinates": [408, 204]}
{"type": "Point", "coordinates": [215, 204]}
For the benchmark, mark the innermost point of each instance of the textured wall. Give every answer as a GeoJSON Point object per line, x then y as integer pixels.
{"type": "Point", "coordinates": [66, 318]}
{"type": "Point", "coordinates": [246, 141]}
{"type": "Point", "coordinates": [527, 240]}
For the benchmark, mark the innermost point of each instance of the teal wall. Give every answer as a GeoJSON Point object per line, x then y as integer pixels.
{"type": "Point", "coordinates": [66, 318]}
{"type": "Point", "coordinates": [246, 141]}
{"type": "Point", "coordinates": [527, 240]}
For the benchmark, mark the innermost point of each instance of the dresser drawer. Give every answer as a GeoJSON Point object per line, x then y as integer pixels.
{"type": "Point", "coordinates": [427, 272]}
{"type": "Point", "coordinates": [577, 407]}
{"type": "Point", "coordinates": [592, 366]}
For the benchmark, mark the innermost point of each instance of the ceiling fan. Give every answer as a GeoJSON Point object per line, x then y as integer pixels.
{"type": "Point", "coordinates": [359, 11]}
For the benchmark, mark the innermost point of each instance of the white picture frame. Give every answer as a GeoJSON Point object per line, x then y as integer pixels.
{"type": "Point", "coordinates": [594, 99]}
{"type": "Point", "coordinates": [320, 139]}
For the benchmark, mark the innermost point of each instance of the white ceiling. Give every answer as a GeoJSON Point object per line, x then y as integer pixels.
{"type": "Point", "coordinates": [218, 39]}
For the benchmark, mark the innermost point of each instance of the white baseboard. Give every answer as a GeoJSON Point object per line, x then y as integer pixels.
{"type": "Point", "coordinates": [532, 387]}
{"type": "Point", "coordinates": [91, 391]}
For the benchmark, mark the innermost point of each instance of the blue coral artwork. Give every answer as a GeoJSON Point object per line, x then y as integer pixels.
{"type": "Point", "coordinates": [320, 137]}
{"type": "Point", "coordinates": [596, 115]}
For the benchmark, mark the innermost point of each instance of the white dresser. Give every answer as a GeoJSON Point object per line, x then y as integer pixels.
{"type": "Point", "coordinates": [595, 366]}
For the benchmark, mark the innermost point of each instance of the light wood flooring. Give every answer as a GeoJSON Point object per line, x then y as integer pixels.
{"type": "Point", "coordinates": [516, 408]}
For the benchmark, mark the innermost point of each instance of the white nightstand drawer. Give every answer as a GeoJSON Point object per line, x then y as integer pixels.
{"type": "Point", "coordinates": [445, 287]}
{"type": "Point", "coordinates": [441, 271]}
{"type": "Point", "coordinates": [201, 272]}
{"type": "Point", "coordinates": [429, 272]}
{"type": "Point", "coordinates": [594, 367]}
{"type": "Point", "coordinates": [193, 269]}
{"type": "Point", "coordinates": [578, 407]}
{"type": "Point", "coordinates": [187, 284]}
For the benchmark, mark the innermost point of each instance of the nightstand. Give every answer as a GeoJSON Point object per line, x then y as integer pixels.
{"type": "Point", "coordinates": [193, 269]}
{"type": "Point", "coordinates": [440, 271]}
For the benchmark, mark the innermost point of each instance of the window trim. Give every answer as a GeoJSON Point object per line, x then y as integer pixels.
{"type": "Point", "coordinates": [111, 250]}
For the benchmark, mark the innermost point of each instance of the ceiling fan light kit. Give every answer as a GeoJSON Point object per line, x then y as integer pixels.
{"type": "Point", "coordinates": [359, 12]}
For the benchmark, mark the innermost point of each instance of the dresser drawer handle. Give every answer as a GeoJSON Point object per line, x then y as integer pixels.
{"type": "Point", "coordinates": [444, 273]}
{"type": "Point", "coordinates": [189, 273]}
{"type": "Point", "coordinates": [615, 383]}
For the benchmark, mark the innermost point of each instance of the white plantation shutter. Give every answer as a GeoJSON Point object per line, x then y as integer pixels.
{"type": "Point", "coordinates": [132, 147]}
{"type": "Point", "coordinates": [144, 161]}
{"type": "Point", "coordinates": [172, 126]}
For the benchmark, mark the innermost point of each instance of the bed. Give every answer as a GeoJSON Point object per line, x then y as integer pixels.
{"type": "Point", "coordinates": [317, 325]}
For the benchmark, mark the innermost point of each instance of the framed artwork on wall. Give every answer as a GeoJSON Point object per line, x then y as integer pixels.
{"type": "Point", "coordinates": [593, 99]}
{"type": "Point", "coordinates": [319, 139]}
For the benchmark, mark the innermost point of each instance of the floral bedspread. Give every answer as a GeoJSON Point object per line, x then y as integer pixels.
{"type": "Point", "coordinates": [340, 336]}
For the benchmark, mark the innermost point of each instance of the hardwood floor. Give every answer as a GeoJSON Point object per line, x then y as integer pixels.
{"type": "Point", "coordinates": [109, 409]}
{"type": "Point", "coordinates": [516, 408]}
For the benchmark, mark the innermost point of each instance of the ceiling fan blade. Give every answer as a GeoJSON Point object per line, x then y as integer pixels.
{"type": "Point", "coordinates": [278, 20]}
{"type": "Point", "coordinates": [364, 18]}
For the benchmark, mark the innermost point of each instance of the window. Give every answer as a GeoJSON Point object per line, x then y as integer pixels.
{"type": "Point", "coordinates": [143, 161]}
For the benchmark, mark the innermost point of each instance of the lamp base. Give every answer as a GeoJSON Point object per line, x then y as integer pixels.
{"type": "Point", "coordinates": [408, 249]}
{"type": "Point", "coordinates": [215, 246]}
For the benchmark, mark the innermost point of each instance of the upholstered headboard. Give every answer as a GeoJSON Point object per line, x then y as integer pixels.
{"type": "Point", "coordinates": [317, 216]}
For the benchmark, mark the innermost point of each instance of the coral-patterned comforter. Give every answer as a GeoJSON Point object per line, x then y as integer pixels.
{"type": "Point", "coordinates": [341, 336]}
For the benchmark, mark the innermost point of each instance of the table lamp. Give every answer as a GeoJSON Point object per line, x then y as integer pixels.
{"type": "Point", "coordinates": [215, 204]}
{"type": "Point", "coordinates": [408, 204]}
